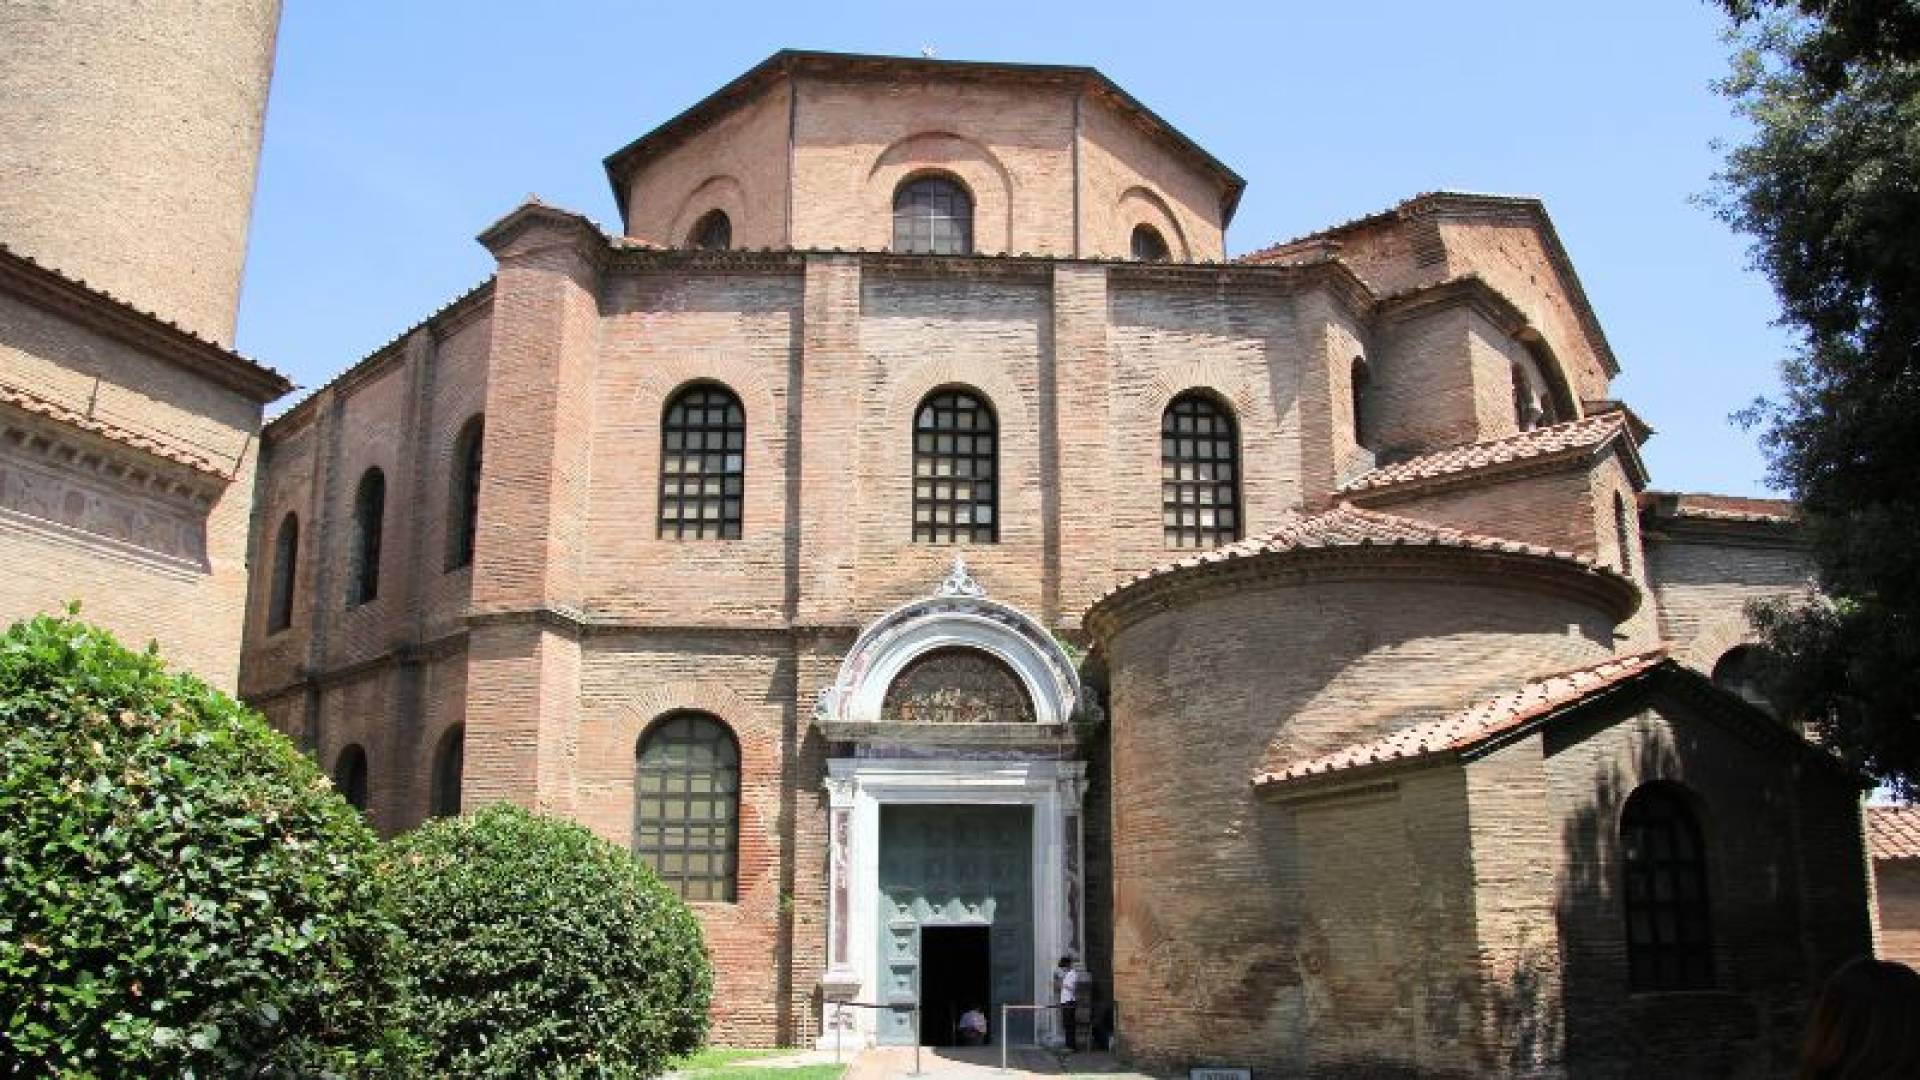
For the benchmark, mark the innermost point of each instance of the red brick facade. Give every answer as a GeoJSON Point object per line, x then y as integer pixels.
{"type": "Point", "coordinates": [578, 625]}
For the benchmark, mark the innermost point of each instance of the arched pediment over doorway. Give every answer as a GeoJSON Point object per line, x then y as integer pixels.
{"type": "Point", "coordinates": [989, 649]}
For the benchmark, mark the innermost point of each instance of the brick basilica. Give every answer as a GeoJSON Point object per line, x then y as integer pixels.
{"type": "Point", "coordinates": [916, 540]}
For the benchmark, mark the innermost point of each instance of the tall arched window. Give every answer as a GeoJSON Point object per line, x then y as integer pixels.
{"type": "Point", "coordinates": [369, 520]}
{"type": "Point", "coordinates": [933, 215]}
{"type": "Point", "coordinates": [1199, 473]}
{"type": "Point", "coordinates": [463, 493]}
{"type": "Point", "coordinates": [286, 562]}
{"type": "Point", "coordinates": [686, 805]}
{"type": "Point", "coordinates": [703, 468]}
{"type": "Point", "coordinates": [1359, 383]}
{"type": "Point", "coordinates": [713, 232]}
{"type": "Point", "coordinates": [1623, 533]}
{"type": "Point", "coordinates": [1664, 867]}
{"type": "Point", "coordinates": [449, 771]}
{"type": "Point", "coordinates": [956, 456]}
{"type": "Point", "coordinates": [1149, 245]}
{"type": "Point", "coordinates": [350, 776]}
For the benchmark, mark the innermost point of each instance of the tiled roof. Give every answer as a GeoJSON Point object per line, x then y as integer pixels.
{"type": "Point", "coordinates": [1473, 725]}
{"type": "Point", "coordinates": [27, 401]}
{"type": "Point", "coordinates": [1348, 527]}
{"type": "Point", "coordinates": [1893, 832]}
{"type": "Point", "coordinates": [1705, 507]}
{"type": "Point", "coordinates": [1583, 434]}
{"type": "Point", "coordinates": [52, 281]}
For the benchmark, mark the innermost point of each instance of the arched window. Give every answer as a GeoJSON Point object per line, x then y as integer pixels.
{"type": "Point", "coordinates": [955, 470]}
{"type": "Point", "coordinates": [933, 215]}
{"type": "Point", "coordinates": [1664, 865]}
{"type": "Point", "coordinates": [463, 493]}
{"type": "Point", "coordinates": [1199, 473]}
{"type": "Point", "coordinates": [449, 767]}
{"type": "Point", "coordinates": [1149, 245]}
{"type": "Point", "coordinates": [686, 805]}
{"type": "Point", "coordinates": [350, 776]}
{"type": "Point", "coordinates": [703, 471]}
{"type": "Point", "coordinates": [713, 232]}
{"type": "Point", "coordinates": [1359, 382]}
{"type": "Point", "coordinates": [369, 519]}
{"type": "Point", "coordinates": [286, 562]}
{"type": "Point", "coordinates": [1623, 533]}
{"type": "Point", "coordinates": [1742, 671]}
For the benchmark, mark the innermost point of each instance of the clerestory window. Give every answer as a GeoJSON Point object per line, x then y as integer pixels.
{"type": "Point", "coordinates": [933, 215]}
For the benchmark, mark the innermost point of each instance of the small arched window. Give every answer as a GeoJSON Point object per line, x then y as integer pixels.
{"type": "Point", "coordinates": [713, 232]}
{"type": "Point", "coordinates": [1623, 533]}
{"type": "Point", "coordinates": [703, 471]}
{"type": "Point", "coordinates": [463, 490]}
{"type": "Point", "coordinates": [1149, 245]}
{"type": "Point", "coordinates": [350, 776]}
{"type": "Point", "coordinates": [369, 521]}
{"type": "Point", "coordinates": [286, 563]}
{"type": "Point", "coordinates": [1359, 383]}
{"type": "Point", "coordinates": [1199, 472]}
{"type": "Point", "coordinates": [449, 768]}
{"type": "Point", "coordinates": [933, 215]}
{"type": "Point", "coordinates": [955, 470]}
{"type": "Point", "coordinates": [1742, 671]}
{"type": "Point", "coordinates": [686, 806]}
{"type": "Point", "coordinates": [1664, 867]}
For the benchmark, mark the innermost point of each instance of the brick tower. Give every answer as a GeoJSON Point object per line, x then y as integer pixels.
{"type": "Point", "coordinates": [129, 140]}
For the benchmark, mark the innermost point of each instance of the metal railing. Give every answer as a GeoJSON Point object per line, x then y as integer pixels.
{"type": "Point", "coordinates": [913, 1007]}
{"type": "Point", "coordinates": [1006, 1033]}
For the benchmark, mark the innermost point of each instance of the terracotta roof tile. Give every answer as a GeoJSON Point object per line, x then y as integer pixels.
{"type": "Point", "coordinates": [1349, 526]}
{"type": "Point", "coordinates": [28, 401]}
{"type": "Point", "coordinates": [1583, 434]}
{"type": "Point", "coordinates": [1893, 832]}
{"type": "Point", "coordinates": [1472, 725]}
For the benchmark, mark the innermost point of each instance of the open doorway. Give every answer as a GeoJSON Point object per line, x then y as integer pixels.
{"type": "Point", "coordinates": [955, 975]}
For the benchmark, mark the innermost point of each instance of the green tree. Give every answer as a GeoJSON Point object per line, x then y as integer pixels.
{"type": "Point", "coordinates": [181, 891]}
{"type": "Point", "coordinates": [533, 948]}
{"type": "Point", "coordinates": [1828, 188]}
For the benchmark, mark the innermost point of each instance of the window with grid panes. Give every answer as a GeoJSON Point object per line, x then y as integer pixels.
{"type": "Point", "coordinates": [1199, 473]}
{"type": "Point", "coordinates": [955, 467]}
{"type": "Point", "coordinates": [702, 465]}
{"type": "Point", "coordinates": [933, 215]}
{"type": "Point", "coordinates": [686, 806]}
{"type": "Point", "coordinates": [1669, 939]}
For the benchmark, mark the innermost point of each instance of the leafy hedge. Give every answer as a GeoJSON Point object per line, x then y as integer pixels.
{"type": "Point", "coordinates": [181, 892]}
{"type": "Point", "coordinates": [534, 948]}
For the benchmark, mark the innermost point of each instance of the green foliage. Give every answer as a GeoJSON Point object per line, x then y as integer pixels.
{"type": "Point", "coordinates": [1828, 187]}
{"type": "Point", "coordinates": [181, 892]}
{"type": "Point", "coordinates": [534, 948]}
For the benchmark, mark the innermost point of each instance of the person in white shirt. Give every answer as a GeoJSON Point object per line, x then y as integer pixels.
{"type": "Point", "coordinates": [1066, 986]}
{"type": "Point", "coordinates": [973, 1027]}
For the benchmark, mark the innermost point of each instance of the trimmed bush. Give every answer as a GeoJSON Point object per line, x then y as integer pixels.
{"type": "Point", "coordinates": [535, 948]}
{"type": "Point", "coordinates": [181, 892]}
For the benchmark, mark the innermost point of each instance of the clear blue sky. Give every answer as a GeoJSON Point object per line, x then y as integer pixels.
{"type": "Point", "coordinates": [397, 131]}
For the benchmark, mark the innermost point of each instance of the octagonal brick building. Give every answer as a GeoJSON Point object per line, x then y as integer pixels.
{"type": "Point", "coordinates": [911, 536]}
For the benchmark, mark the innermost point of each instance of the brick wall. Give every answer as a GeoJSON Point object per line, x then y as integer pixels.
{"type": "Point", "coordinates": [1896, 885]}
{"type": "Point", "coordinates": [1785, 879]}
{"type": "Point", "coordinates": [1703, 585]}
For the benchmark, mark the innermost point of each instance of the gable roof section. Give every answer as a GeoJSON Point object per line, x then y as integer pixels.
{"type": "Point", "coordinates": [1893, 832]}
{"type": "Point", "coordinates": [1574, 439]}
{"type": "Point", "coordinates": [1492, 722]}
{"type": "Point", "coordinates": [621, 163]}
{"type": "Point", "coordinates": [1462, 204]}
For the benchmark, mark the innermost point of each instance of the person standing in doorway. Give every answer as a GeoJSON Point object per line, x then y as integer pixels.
{"type": "Point", "coordinates": [1066, 987]}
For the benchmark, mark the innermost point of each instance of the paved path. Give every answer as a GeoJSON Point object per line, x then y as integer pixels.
{"type": "Point", "coordinates": [980, 1063]}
